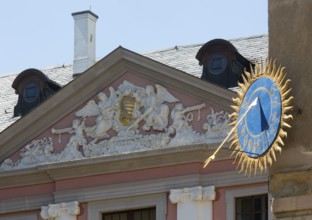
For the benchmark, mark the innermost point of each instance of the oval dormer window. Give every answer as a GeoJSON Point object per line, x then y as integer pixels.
{"type": "Point", "coordinates": [217, 63]}
{"type": "Point", "coordinates": [31, 92]}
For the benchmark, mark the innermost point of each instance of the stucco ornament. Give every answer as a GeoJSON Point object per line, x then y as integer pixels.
{"type": "Point", "coordinates": [60, 211]}
{"type": "Point", "coordinates": [130, 119]}
{"type": "Point", "coordinates": [104, 110]}
{"type": "Point", "coordinates": [183, 132]}
{"type": "Point", "coordinates": [197, 193]}
{"type": "Point", "coordinates": [156, 110]}
{"type": "Point", "coordinates": [216, 122]}
{"type": "Point", "coordinates": [36, 152]}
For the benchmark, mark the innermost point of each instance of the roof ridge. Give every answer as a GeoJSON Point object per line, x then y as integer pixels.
{"type": "Point", "coordinates": [173, 48]}
{"type": "Point", "coordinates": [56, 67]}
{"type": "Point", "coordinates": [199, 44]}
{"type": "Point", "coordinates": [7, 75]}
{"type": "Point", "coordinates": [246, 38]}
{"type": "Point", "coordinates": [41, 69]}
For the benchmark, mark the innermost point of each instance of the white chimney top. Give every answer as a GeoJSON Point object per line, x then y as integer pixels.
{"type": "Point", "coordinates": [84, 37]}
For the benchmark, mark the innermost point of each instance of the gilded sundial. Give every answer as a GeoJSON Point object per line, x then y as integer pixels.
{"type": "Point", "coordinates": [260, 118]}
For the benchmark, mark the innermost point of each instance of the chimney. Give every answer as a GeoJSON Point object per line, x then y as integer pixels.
{"type": "Point", "coordinates": [84, 37]}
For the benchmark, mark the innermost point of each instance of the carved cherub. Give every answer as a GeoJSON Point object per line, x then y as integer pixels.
{"type": "Point", "coordinates": [179, 117]}
{"type": "Point", "coordinates": [77, 139]}
{"type": "Point", "coordinates": [104, 110]}
{"type": "Point", "coordinates": [156, 112]}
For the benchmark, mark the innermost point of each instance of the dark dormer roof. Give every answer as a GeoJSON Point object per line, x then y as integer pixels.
{"type": "Point", "coordinates": [222, 63]}
{"type": "Point", "coordinates": [32, 87]}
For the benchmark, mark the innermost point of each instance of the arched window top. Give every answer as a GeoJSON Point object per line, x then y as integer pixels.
{"type": "Point", "coordinates": [222, 63]}
{"type": "Point", "coordinates": [32, 87]}
{"type": "Point", "coordinates": [31, 92]}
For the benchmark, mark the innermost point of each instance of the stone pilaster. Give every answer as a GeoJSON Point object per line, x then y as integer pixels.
{"type": "Point", "coordinates": [193, 203]}
{"type": "Point", "coordinates": [61, 211]}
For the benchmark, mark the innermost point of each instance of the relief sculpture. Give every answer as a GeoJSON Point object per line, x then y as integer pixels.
{"type": "Point", "coordinates": [104, 111]}
{"type": "Point", "coordinates": [131, 118]}
{"type": "Point", "coordinates": [156, 110]}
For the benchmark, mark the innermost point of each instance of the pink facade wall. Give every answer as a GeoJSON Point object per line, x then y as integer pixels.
{"type": "Point", "coordinates": [131, 176]}
{"type": "Point", "coordinates": [219, 204]}
{"type": "Point", "coordinates": [83, 212]}
{"type": "Point", "coordinates": [171, 210]}
{"type": "Point", "coordinates": [59, 141]}
{"type": "Point", "coordinates": [33, 190]}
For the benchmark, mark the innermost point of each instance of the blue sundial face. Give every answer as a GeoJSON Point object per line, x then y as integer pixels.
{"type": "Point", "coordinates": [259, 128]}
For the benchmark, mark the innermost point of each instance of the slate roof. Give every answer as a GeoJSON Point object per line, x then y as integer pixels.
{"type": "Point", "coordinates": [61, 75]}
{"type": "Point", "coordinates": [253, 48]}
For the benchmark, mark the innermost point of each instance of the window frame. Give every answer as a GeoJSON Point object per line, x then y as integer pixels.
{"type": "Point", "coordinates": [231, 195]}
{"type": "Point", "coordinates": [251, 200]}
{"type": "Point", "coordinates": [217, 57]}
{"type": "Point", "coordinates": [36, 89]}
{"type": "Point", "coordinates": [159, 201]}
{"type": "Point", "coordinates": [130, 212]}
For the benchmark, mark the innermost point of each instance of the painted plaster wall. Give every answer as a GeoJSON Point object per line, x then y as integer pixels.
{"type": "Point", "coordinates": [132, 177]}
{"type": "Point", "coordinates": [115, 178]}
{"type": "Point", "coordinates": [59, 141]}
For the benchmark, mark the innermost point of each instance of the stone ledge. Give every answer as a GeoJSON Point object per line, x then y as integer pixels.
{"type": "Point", "coordinates": [290, 206]}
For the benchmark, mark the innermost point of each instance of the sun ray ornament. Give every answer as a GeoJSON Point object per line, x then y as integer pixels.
{"type": "Point", "coordinates": [261, 115]}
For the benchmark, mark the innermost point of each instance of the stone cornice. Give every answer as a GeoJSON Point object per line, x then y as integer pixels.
{"type": "Point", "coordinates": [223, 179]}
{"type": "Point", "coordinates": [127, 190]}
{"type": "Point", "coordinates": [25, 203]}
{"type": "Point", "coordinates": [109, 164]}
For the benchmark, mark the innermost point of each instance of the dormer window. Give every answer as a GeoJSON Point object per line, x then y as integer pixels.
{"type": "Point", "coordinates": [32, 87]}
{"type": "Point", "coordinates": [31, 92]}
{"type": "Point", "coordinates": [217, 63]}
{"type": "Point", "coordinates": [222, 63]}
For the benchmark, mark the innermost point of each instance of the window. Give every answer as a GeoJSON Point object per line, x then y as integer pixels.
{"type": "Point", "coordinates": [251, 208]}
{"type": "Point", "coordinates": [232, 194]}
{"type": "Point", "coordinates": [217, 63]}
{"type": "Point", "coordinates": [31, 92]}
{"type": "Point", "coordinates": [98, 210]}
{"type": "Point", "coordinates": [138, 214]}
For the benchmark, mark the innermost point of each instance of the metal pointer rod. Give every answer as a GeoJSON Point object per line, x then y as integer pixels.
{"type": "Point", "coordinates": [212, 157]}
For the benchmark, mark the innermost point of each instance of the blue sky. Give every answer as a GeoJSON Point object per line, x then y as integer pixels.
{"type": "Point", "coordinates": [39, 34]}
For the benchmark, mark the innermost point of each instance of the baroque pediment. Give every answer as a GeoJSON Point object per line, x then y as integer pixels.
{"type": "Point", "coordinates": [126, 118]}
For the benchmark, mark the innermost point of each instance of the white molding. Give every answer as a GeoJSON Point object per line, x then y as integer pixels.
{"type": "Point", "coordinates": [156, 186]}
{"type": "Point", "coordinates": [24, 203]}
{"type": "Point", "coordinates": [95, 209]}
{"type": "Point", "coordinates": [230, 196]}
{"type": "Point", "coordinates": [197, 193]}
{"type": "Point", "coordinates": [194, 202]}
{"type": "Point", "coordinates": [131, 189]}
{"type": "Point", "coordinates": [59, 211]}
{"type": "Point", "coordinates": [20, 217]}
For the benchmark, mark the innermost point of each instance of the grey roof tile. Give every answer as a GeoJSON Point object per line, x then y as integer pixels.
{"type": "Point", "coordinates": [8, 99]}
{"type": "Point", "coordinates": [253, 48]}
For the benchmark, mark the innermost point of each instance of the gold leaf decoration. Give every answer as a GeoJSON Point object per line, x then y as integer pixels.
{"type": "Point", "coordinates": [250, 164]}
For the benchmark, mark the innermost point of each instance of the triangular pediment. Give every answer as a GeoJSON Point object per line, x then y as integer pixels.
{"type": "Point", "coordinates": [123, 104]}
